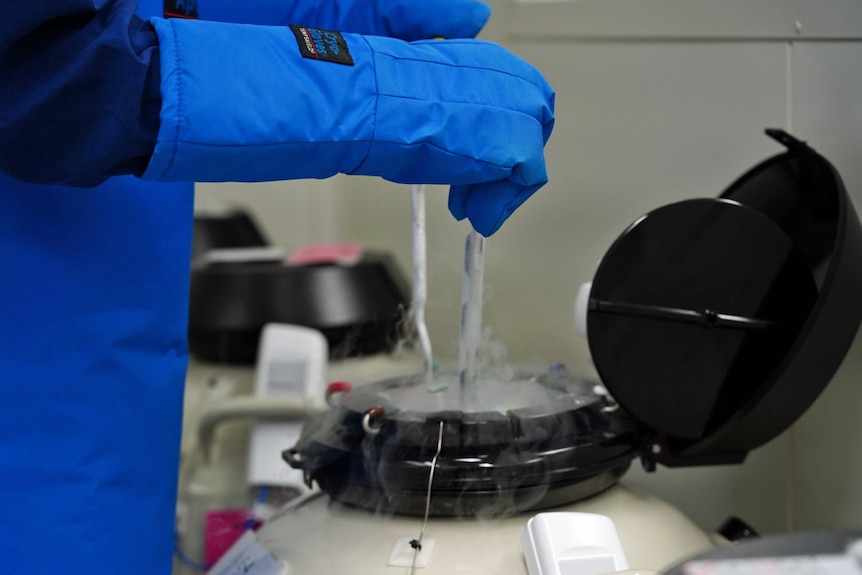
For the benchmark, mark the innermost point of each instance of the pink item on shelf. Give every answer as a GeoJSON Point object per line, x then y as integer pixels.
{"type": "Point", "coordinates": [338, 253]}
{"type": "Point", "coordinates": [222, 529]}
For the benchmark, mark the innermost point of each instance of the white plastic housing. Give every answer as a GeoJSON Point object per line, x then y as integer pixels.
{"type": "Point", "coordinates": [571, 543]}
{"type": "Point", "coordinates": [291, 363]}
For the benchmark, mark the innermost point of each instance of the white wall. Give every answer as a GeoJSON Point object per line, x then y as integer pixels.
{"type": "Point", "coordinates": [657, 101]}
{"type": "Point", "coordinates": [827, 104]}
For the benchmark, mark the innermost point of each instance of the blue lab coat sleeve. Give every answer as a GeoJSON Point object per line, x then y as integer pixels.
{"type": "Point", "coordinates": [79, 97]}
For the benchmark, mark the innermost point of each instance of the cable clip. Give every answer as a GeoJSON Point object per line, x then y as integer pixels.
{"type": "Point", "coordinates": [371, 414]}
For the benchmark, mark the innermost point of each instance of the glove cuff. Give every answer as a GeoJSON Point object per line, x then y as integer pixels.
{"type": "Point", "coordinates": [242, 103]}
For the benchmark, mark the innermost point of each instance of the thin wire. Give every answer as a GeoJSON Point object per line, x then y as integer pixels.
{"type": "Point", "coordinates": [418, 542]}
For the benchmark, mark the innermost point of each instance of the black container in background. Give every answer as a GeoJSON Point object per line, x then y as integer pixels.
{"type": "Point", "coordinates": [357, 306]}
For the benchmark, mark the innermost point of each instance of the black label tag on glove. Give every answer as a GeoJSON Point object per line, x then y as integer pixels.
{"type": "Point", "coordinates": [318, 44]}
{"type": "Point", "coordinates": [181, 9]}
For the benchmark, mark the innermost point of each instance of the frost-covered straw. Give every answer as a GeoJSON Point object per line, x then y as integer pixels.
{"type": "Point", "coordinates": [471, 316]}
{"type": "Point", "coordinates": [420, 277]}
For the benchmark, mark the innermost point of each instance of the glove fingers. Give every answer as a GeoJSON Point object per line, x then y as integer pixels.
{"type": "Point", "coordinates": [548, 120]}
{"type": "Point", "coordinates": [457, 112]}
{"type": "Point", "coordinates": [452, 143]}
{"type": "Point", "coordinates": [488, 205]}
{"type": "Point", "coordinates": [531, 171]}
{"type": "Point", "coordinates": [458, 200]}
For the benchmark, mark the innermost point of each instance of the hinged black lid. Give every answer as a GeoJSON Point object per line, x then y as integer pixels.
{"type": "Point", "coordinates": [716, 322]}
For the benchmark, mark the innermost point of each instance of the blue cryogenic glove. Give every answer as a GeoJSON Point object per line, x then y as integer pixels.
{"type": "Point", "coordinates": [254, 103]}
{"type": "Point", "coordinates": [404, 19]}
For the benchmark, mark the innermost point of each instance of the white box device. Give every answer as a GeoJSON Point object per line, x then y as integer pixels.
{"type": "Point", "coordinates": [291, 361]}
{"type": "Point", "coordinates": [569, 543]}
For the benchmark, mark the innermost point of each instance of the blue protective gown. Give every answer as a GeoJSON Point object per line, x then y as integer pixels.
{"type": "Point", "coordinates": [93, 311]}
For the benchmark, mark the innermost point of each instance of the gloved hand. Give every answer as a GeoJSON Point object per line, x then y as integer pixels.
{"type": "Point", "coordinates": [251, 103]}
{"type": "Point", "coordinates": [404, 19]}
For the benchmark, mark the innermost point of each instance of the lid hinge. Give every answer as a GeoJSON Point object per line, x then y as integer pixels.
{"type": "Point", "coordinates": [654, 452]}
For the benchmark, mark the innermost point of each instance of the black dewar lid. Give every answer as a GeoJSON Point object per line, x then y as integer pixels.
{"type": "Point", "coordinates": [716, 322]}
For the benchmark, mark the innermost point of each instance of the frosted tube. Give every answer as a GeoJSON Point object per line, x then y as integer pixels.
{"type": "Point", "coordinates": [471, 316]}
{"type": "Point", "coordinates": [420, 277]}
